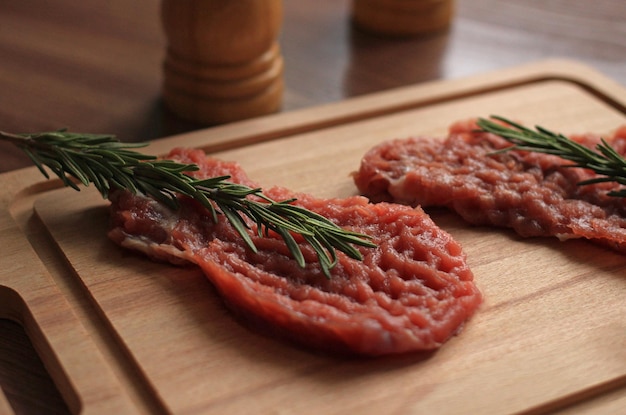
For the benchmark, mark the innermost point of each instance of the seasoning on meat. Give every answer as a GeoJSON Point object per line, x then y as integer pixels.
{"type": "Point", "coordinates": [413, 292]}
{"type": "Point", "coordinates": [533, 193]}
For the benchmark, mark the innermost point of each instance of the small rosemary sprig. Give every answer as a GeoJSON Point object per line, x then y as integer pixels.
{"type": "Point", "coordinates": [110, 164]}
{"type": "Point", "coordinates": [605, 161]}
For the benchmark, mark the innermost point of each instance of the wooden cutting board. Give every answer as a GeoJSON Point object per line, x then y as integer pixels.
{"type": "Point", "coordinates": [121, 334]}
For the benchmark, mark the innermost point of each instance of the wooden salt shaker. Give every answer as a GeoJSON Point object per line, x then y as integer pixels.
{"type": "Point", "coordinates": [223, 62]}
{"type": "Point", "coordinates": [402, 17]}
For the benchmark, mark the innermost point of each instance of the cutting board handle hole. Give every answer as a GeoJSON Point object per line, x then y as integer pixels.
{"type": "Point", "coordinates": [22, 372]}
{"type": "Point", "coordinates": [26, 384]}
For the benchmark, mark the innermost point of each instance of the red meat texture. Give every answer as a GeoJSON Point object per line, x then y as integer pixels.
{"type": "Point", "coordinates": [413, 292]}
{"type": "Point", "coordinates": [533, 193]}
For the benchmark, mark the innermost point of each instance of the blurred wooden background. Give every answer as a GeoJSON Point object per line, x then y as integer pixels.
{"type": "Point", "coordinates": [96, 67]}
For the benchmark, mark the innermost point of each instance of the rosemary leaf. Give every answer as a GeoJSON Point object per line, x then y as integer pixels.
{"type": "Point", "coordinates": [292, 245]}
{"type": "Point", "coordinates": [240, 226]}
{"type": "Point", "coordinates": [604, 161]}
{"type": "Point", "coordinates": [109, 164]}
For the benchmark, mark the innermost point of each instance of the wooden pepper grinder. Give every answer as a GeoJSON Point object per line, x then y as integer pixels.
{"type": "Point", "coordinates": [223, 62]}
{"type": "Point", "coordinates": [402, 17]}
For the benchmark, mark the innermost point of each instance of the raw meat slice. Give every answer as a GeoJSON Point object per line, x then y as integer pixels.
{"type": "Point", "coordinates": [530, 192]}
{"type": "Point", "coordinates": [413, 292]}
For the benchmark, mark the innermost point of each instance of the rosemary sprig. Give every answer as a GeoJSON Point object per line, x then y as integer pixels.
{"type": "Point", "coordinates": [604, 161]}
{"type": "Point", "coordinates": [110, 164]}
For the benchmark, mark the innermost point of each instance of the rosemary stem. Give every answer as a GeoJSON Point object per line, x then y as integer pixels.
{"type": "Point", "coordinates": [604, 160]}
{"type": "Point", "coordinates": [109, 164]}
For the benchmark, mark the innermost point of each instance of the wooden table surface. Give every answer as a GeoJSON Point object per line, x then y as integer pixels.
{"type": "Point", "coordinates": [95, 66]}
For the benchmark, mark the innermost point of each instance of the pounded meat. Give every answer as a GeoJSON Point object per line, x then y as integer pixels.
{"type": "Point", "coordinates": [413, 292]}
{"type": "Point", "coordinates": [530, 192]}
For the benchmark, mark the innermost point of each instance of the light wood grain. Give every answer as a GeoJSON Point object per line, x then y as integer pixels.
{"type": "Point", "coordinates": [30, 298]}
{"type": "Point", "coordinates": [550, 334]}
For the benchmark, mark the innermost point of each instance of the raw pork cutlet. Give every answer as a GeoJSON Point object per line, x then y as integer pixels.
{"type": "Point", "coordinates": [413, 292]}
{"type": "Point", "coordinates": [530, 192]}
